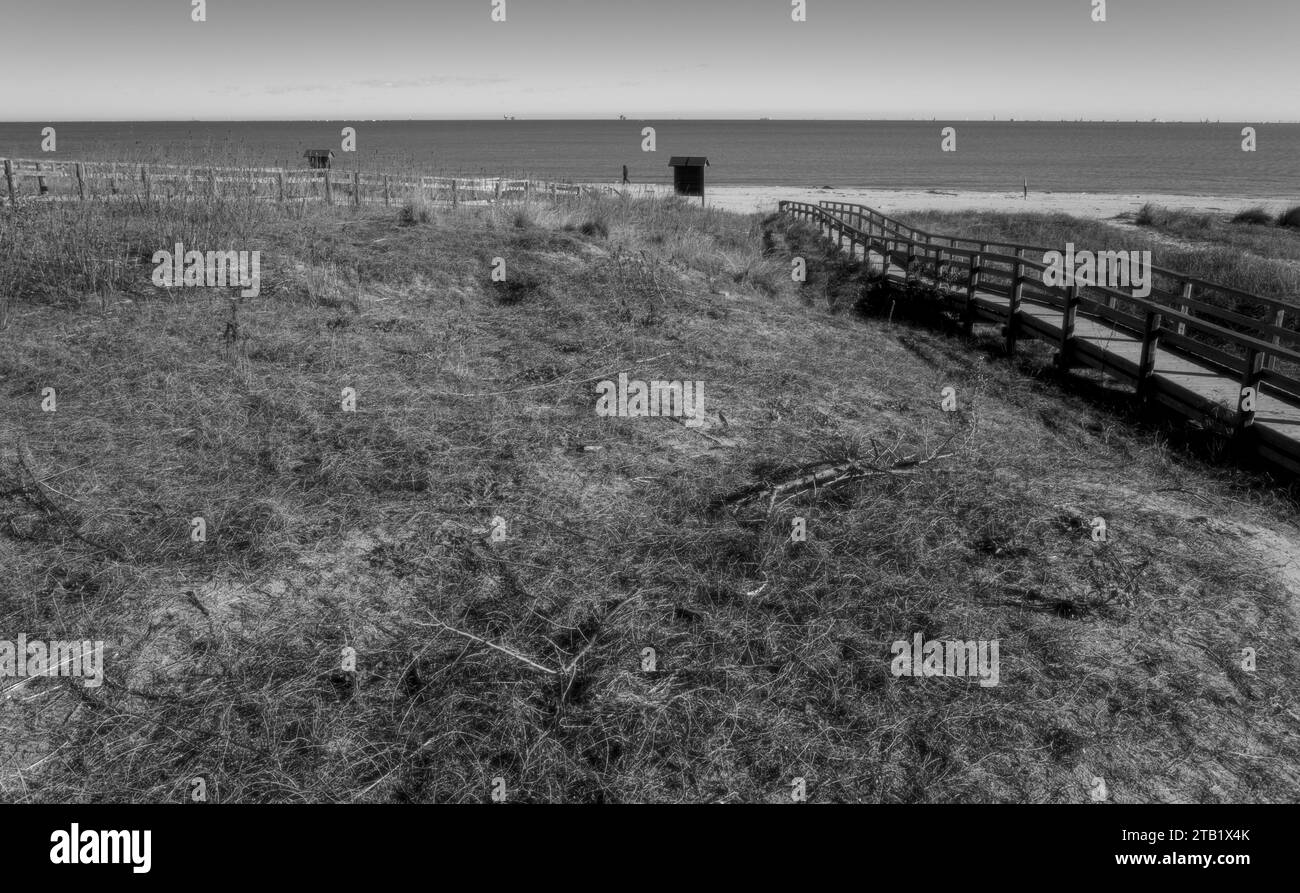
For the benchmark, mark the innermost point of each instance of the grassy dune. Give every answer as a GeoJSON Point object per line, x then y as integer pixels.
{"type": "Point", "coordinates": [522, 658]}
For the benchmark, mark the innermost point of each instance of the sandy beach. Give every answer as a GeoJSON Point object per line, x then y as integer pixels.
{"type": "Point", "coordinates": [1100, 206]}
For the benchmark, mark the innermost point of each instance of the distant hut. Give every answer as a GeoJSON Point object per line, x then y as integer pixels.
{"type": "Point", "coordinates": [319, 159]}
{"type": "Point", "coordinates": [688, 174]}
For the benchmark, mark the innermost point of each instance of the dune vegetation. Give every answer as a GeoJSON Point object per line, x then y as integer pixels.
{"type": "Point", "coordinates": [472, 576]}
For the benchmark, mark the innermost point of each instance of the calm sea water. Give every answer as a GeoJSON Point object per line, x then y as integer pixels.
{"type": "Point", "coordinates": [993, 156]}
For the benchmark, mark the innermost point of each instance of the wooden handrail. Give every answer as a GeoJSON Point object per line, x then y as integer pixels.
{"type": "Point", "coordinates": [1272, 302]}
{"type": "Point", "coordinates": [1253, 347]}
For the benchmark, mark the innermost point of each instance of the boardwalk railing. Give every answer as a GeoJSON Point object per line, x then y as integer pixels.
{"type": "Point", "coordinates": [1249, 339]}
{"type": "Point", "coordinates": [89, 179]}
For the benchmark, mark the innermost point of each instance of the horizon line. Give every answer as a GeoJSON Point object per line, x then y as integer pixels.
{"type": "Point", "coordinates": [516, 118]}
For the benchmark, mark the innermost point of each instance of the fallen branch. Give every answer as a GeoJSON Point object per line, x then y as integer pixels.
{"type": "Point", "coordinates": [36, 496]}
{"type": "Point", "coordinates": [828, 478]}
{"type": "Point", "coordinates": [473, 638]}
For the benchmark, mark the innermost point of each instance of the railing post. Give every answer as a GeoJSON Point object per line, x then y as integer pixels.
{"type": "Point", "coordinates": [356, 188]}
{"type": "Point", "coordinates": [1279, 320]}
{"type": "Point", "coordinates": [1013, 307]}
{"type": "Point", "coordinates": [144, 181]}
{"type": "Point", "coordinates": [972, 284]}
{"type": "Point", "coordinates": [1181, 329]}
{"type": "Point", "coordinates": [1150, 345]}
{"type": "Point", "coordinates": [1064, 357]}
{"type": "Point", "coordinates": [9, 178]}
{"type": "Point", "coordinates": [279, 184]}
{"type": "Point", "coordinates": [81, 183]}
{"type": "Point", "coordinates": [1249, 379]}
{"type": "Point", "coordinates": [329, 187]}
{"type": "Point", "coordinates": [41, 188]}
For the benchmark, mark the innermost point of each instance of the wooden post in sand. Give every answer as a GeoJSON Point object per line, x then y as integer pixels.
{"type": "Point", "coordinates": [1249, 380]}
{"type": "Point", "coordinates": [81, 182]}
{"type": "Point", "coordinates": [41, 188]}
{"type": "Point", "coordinates": [454, 196]}
{"type": "Point", "coordinates": [1150, 347]}
{"type": "Point", "coordinates": [388, 196]}
{"type": "Point", "coordinates": [972, 286]}
{"type": "Point", "coordinates": [356, 188]}
{"type": "Point", "coordinates": [1016, 295]}
{"type": "Point", "coordinates": [329, 188]}
{"type": "Point", "coordinates": [279, 183]}
{"type": "Point", "coordinates": [1064, 356]}
{"type": "Point", "coordinates": [9, 178]}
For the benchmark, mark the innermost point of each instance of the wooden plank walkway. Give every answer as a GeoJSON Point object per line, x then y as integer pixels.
{"type": "Point", "coordinates": [1156, 351]}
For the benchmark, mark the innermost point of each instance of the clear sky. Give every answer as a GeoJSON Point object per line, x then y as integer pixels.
{"type": "Point", "coordinates": [357, 59]}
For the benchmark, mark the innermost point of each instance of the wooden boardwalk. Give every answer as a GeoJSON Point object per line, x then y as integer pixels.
{"type": "Point", "coordinates": [1204, 350]}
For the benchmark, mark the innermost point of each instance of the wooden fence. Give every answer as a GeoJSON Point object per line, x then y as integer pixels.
{"type": "Point", "coordinates": [91, 179]}
{"type": "Point", "coordinates": [1248, 339]}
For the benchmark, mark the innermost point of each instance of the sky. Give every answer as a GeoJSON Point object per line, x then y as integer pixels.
{"type": "Point", "coordinates": [886, 59]}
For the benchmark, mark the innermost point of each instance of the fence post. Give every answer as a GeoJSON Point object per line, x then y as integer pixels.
{"type": "Point", "coordinates": [1064, 357]}
{"type": "Point", "coordinates": [279, 185]}
{"type": "Point", "coordinates": [1013, 305]}
{"type": "Point", "coordinates": [41, 188]}
{"type": "Point", "coordinates": [81, 183]}
{"type": "Point", "coordinates": [329, 187]}
{"type": "Point", "coordinates": [9, 178]}
{"type": "Point", "coordinates": [356, 188]}
{"type": "Point", "coordinates": [388, 196]}
{"type": "Point", "coordinates": [1147, 364]}
{"type": "Point", "coordinates": [212, 182]}
{"type": "Point", "coordinates": [455, 197]}
{"type": "Point", "coordinates": [144, 181]}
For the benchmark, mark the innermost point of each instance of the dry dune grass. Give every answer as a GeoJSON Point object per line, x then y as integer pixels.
{"type": "Point", "coordinates": [522, 658]}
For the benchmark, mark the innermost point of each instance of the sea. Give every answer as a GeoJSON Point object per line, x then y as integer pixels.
{"type": "Point", "coordinates": [994, 156]}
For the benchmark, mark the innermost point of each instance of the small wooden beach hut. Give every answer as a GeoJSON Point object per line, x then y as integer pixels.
{"type": "Point", "coordinates": [688, 174]}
